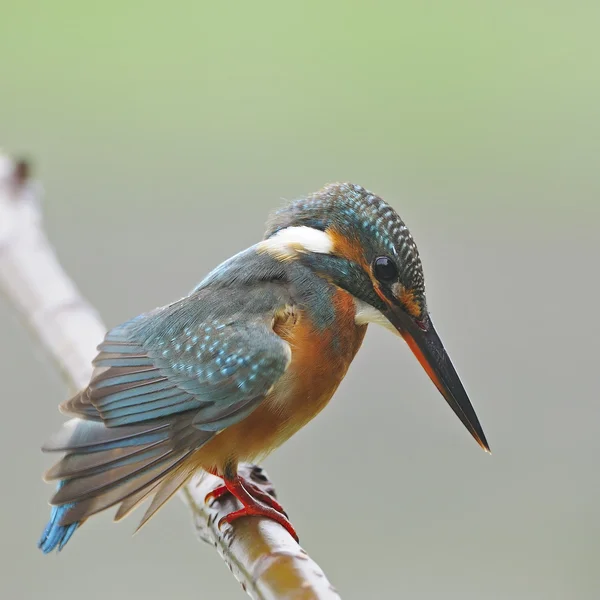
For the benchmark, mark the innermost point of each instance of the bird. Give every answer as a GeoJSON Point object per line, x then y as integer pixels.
{"type": "Point", "coordinates": [232, 370]}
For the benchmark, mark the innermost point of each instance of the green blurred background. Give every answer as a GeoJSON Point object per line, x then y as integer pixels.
{"type": "Point", "coordinates": [165, 132]}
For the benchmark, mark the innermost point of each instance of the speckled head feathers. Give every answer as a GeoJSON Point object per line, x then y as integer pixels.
{"type": "Point", "coordinates": [364, 226]}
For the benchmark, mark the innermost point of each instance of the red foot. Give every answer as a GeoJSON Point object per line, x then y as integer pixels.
{"type": "Point", "coordinates": [256, 503]}
{"type": "Point", "coordinates": [264, 497]}
{"type": "Point", "coordinates": [261, 510]}
{"type": "Point", "coordinates": [253, 489]}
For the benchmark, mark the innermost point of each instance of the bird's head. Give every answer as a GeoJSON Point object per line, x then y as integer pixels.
{"type": "Point", "coordinates": [358, 242]}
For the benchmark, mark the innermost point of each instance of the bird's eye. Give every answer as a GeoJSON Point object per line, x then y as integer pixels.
{"type": "Point", "coordinates": [385, 269]}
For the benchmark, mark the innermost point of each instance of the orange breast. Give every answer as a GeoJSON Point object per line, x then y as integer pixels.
{"type": "Point", "coordinates": [320, 360]}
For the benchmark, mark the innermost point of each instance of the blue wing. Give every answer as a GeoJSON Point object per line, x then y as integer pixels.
{"type": "Point", "coordinates": [178, 359]}
{"type": "Point", "coordinates": [217, 369]}
{"type": "Point", "coordinates": [165, 383]}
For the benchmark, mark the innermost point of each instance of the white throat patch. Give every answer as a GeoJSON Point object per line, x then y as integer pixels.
{"type": "Point", "coordinates": [288, 242]}
{"type": "Point", "coordinates": [365, 314]}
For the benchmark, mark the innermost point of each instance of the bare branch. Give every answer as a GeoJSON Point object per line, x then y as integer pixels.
{"type": "Point", "coordinates": [263, 557]}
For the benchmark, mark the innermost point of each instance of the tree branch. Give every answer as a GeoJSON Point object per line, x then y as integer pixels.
{"type": "Point", "coordinates": [263, 557]}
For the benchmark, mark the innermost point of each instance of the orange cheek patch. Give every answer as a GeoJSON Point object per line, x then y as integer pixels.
{"type": "Point", "coordinates": [347, 247]}
{"type": "Point", "coordinates": [407, 298]}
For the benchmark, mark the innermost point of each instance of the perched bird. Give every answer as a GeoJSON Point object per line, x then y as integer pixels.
{"type": "Point", "coordinates": [231, 371]}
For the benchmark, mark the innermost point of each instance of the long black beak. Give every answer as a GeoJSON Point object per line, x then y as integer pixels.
{"type": "Point", "coordinates": [429, 350]}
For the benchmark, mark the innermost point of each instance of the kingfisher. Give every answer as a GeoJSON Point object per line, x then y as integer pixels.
{"type": "Point", "coordinates": [229, 372]}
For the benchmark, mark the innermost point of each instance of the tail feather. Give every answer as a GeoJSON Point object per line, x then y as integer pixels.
{"type": "Point", "coordinates": [133, 501]}
{"type": "Point", "coordinates": [90, 506]}
{"type": "Point", "coordinates": [106, 466]}
{"type": "Point", "coordinates": [78, 464]}
{"type": "Point", "coordinates": [55, 536]}
{"type": "Point", "coordinates": [166, 490]}
{"type": "Point", "coordinates": [81, 488]}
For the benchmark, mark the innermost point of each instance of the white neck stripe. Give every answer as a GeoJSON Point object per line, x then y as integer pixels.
{"type": "Point", "coordinates": [290, 241]}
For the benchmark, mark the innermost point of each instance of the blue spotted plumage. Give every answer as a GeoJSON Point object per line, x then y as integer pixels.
{"type": "Point", "coordinates": [357, 213]}
{"type": "Point", "coordinates": [249, 356]}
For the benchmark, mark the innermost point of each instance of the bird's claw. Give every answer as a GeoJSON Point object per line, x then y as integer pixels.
{"type": "Point", "coordinates": [259, 510]}
{"type": "Point", "coordinates": [217, 493]}
{"type": "Point", "coordinates": [254, 490]}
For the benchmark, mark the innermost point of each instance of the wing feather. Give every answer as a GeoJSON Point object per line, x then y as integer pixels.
{"type": "Point", "coordinates": [164, 384]}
